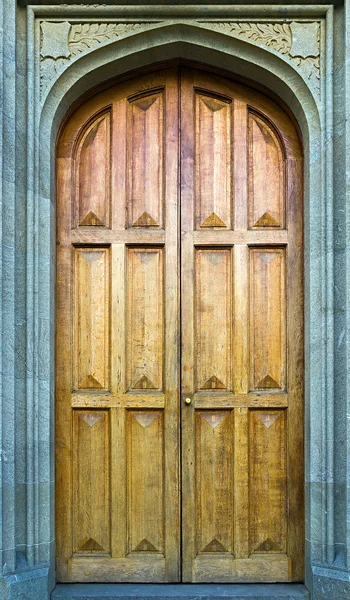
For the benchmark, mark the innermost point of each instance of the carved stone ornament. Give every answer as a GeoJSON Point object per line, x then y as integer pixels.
{"type": "Point", "coordinates": [63, 42]}
{"type": "Point", "coordinates": [299, 42]}
{"type": "Point", "coordinates": [305, 38]}
{"type": "Point", "coordinates": [55, 39]}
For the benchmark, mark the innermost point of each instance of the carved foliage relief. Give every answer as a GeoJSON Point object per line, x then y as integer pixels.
{"type": "Point", "coordinates": [64, 41]}
{"type": "Point", "coordinates": [299, 42]}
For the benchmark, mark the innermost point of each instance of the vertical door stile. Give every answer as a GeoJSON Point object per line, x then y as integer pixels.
{"type": "Point", "coordinates": [118, 314]}
{"type": "Point", "coordinates": [240, 158]}
{"type": "Point", "coordinates": [118, 331]}
{"type": "Point", "coordinates": [119, 162]}
{"type": "Point", "coordinates": [187, 136]}
{"type": "Point", "coordinates": [295, 373]}
{"type": "Point", "coordinates": [118, 386]}
{"type": "Point", "coordinates": [172, 328]}
{"type": "Point", "coordinates": [64, 283]}
{"type": "Point", "coordinates": [241, 333]}
{"type": "Point", "coordinates": [241, 290]}
{"type": "Point", "coordinates": [241, 484]}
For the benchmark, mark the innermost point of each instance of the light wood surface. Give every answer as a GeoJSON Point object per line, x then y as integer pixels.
{"type": "Point", "coordinates": [241, 352]}
{"type": "Point", "coordinates": [91, 482]}
{"type": "Point", "coordinates": [145, 304]}
{"type": "Point", "coordinates": [122, 218]}
{"type": "Point", "coordinates": [266, 201]}
{"type": "Point", "coordinates": [92, 173]}
{"type": "Point", "coordinates": [213, 315]}
{"type": "Point", "coordinates": [213, 164]}
{"type": "Point", "coordinates": [267, 319]}
{"type": "Point", "coordinates": [91, 318]}
{"type": "Point", "coordinates": [145, 159]}
{"type": "Point", "coordinates": [117, 500]}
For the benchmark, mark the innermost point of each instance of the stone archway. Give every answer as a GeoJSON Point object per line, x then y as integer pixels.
{"type": "Point", "coordinates": [176, 40]}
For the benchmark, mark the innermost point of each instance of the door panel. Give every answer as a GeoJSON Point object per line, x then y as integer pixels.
{"type": "Point", "coordinates": [118, 319]}
{"type": "Point", "coordinates": [92, 174]}
{"type": "Point", "coordinates": [145, 307]}
{"type": "Point", "coordinates": [213, 165]}
{"type": "Point", "coordinates": [145, 158]}
{"type": "Point", "coordinates": [145, 476]}
{"type": "Point", "coordinates": [241, 361]}
{"type": "Point", "coordinates": [266, 198]}
{"type": "Point", "coordinates": [267, 480]}
{"type": "Point", "coordinates": [91, 318]}
{"type": "Point", "coordinates": [214, 483]}
{"type": "Point", "coordinates": [121, 222]}
{"type": "Point", "coordinates": [267, 319]}
{"type": "Point", "coordinates": [213, 314]}
{"type": "Point", "coordinates": [91, 503]}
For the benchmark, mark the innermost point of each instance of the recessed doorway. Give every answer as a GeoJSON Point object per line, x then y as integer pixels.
{"type": "Point", "coordinates": [179, 378]}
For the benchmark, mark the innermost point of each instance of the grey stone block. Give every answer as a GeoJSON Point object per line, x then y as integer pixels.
{"type": "Point", "coordinates": [25, 585]}
{"type": "Point", "coordinates": [330, 583]}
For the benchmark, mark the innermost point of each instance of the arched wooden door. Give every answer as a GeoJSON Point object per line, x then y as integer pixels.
{"type": "Point", "coordinates": [179, 181]}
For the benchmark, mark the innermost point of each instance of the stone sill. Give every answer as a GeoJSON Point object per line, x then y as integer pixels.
{"type": "Point", "coordinates": [107, 591]}
{"type": "Point", "coordinates": [176, 2]}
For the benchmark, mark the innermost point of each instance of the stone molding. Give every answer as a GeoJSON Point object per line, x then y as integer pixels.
{"type": "Point", "coordinates": [297, 41]}
{"type": "Point", "coordinates": [27, 248]}
{"type": "Point", "coordinates": [62, 42]}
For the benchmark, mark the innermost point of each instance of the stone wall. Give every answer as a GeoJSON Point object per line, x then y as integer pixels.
{"type": "Point", "coordinates": [50, 55]}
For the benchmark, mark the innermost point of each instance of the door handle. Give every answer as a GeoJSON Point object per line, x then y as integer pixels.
{"type": "Point", "coordinates": [188, 401]}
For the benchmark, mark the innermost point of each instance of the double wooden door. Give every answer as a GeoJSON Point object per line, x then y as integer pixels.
{"type": "Point", "coordinates": [179, 411]}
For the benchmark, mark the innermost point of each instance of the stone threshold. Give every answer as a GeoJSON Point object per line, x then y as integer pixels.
{"type": "Point", "coordinates": [127, 591]}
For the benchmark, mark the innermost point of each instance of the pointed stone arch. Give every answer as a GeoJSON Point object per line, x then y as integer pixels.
{"type": "Point", "coordinates": [185, 41]}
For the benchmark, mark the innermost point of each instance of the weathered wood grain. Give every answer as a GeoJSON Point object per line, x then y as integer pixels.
{"type": "Point", "coordinates": [176, 163]}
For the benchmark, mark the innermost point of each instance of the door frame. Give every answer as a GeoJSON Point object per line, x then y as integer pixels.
{"type": "Point", "coordinates": [283, 80]}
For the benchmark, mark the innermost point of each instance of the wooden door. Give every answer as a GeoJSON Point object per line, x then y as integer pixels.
{"type": "Point", "coordinates": [121, 220]}
{"type": "Point", "coordinates": [117, 378]}
{"type": "Point", "coordinates": [242, 353]}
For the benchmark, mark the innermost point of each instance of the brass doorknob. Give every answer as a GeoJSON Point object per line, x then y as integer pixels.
{"type": "Point", "coordinates": [188, 401]}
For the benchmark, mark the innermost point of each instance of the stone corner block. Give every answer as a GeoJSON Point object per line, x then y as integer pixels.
{"type": "Point", "coordinates": [330, 584]}
{"type": "Point", "coordinates": [32, 584]}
